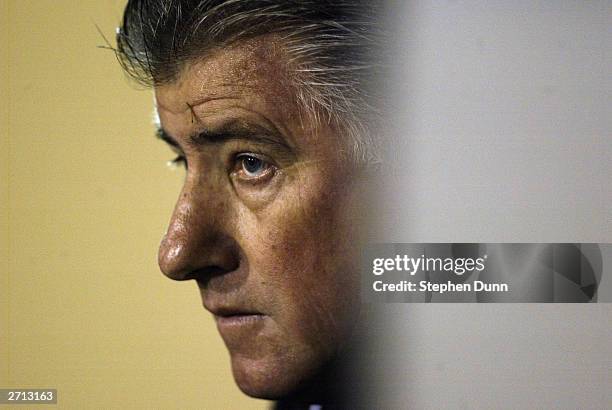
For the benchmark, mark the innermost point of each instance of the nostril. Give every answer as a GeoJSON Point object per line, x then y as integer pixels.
{"type": "Point", "coordinates": [204, 274]}
{"type": "Point", "coordinates": [181, 259]}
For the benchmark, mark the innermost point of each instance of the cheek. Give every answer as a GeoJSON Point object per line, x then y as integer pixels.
{"type": "Point", "coordinates": [303, 262]}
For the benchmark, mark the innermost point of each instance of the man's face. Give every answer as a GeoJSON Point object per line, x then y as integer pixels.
{"type": "Point", "coordinates": [263, 222]}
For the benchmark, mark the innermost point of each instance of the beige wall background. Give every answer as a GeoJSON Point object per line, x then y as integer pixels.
{"type": "Point", "coordinates": [85, 197]}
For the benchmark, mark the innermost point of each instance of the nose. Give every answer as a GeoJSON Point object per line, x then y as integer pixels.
{"type": "Point", "coordinates": [197, 240]}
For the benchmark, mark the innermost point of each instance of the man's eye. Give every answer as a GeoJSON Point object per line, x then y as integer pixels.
{"type": "Point", "coordinates": [249, 166]}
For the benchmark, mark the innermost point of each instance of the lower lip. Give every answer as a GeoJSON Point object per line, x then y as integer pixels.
{"type": "Point", "coordinates": [238, 320]}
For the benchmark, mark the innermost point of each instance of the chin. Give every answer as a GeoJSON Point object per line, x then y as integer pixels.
{"type": "Point", "coordinates": [272, 378]}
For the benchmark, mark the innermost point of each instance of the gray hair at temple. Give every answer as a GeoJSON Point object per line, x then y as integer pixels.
{"type": "Point", "coordinates": [332, 44]}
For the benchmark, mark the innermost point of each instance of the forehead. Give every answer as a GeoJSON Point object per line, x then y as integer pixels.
{"type": "Point", "coordinates": [255, 70]}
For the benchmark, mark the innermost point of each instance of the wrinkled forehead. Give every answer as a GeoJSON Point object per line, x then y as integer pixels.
{"type": "Point", "coordinates": [255, 69]}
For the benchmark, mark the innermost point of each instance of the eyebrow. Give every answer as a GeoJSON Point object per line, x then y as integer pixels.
{"type": "Point", "coordinates": [231, 130]}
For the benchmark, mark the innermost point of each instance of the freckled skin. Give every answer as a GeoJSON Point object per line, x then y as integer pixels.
{"type": "Point", "coordinates": [284, 246]}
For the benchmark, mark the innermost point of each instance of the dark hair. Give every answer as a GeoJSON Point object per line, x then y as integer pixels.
{"type": "Point", "coordinates": [330, 43]}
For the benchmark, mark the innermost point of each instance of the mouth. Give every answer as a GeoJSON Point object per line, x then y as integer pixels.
{"type": "Point", "coordinates": [230, 317]}
{"type": "Point", "coordinates": [238, 320]}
